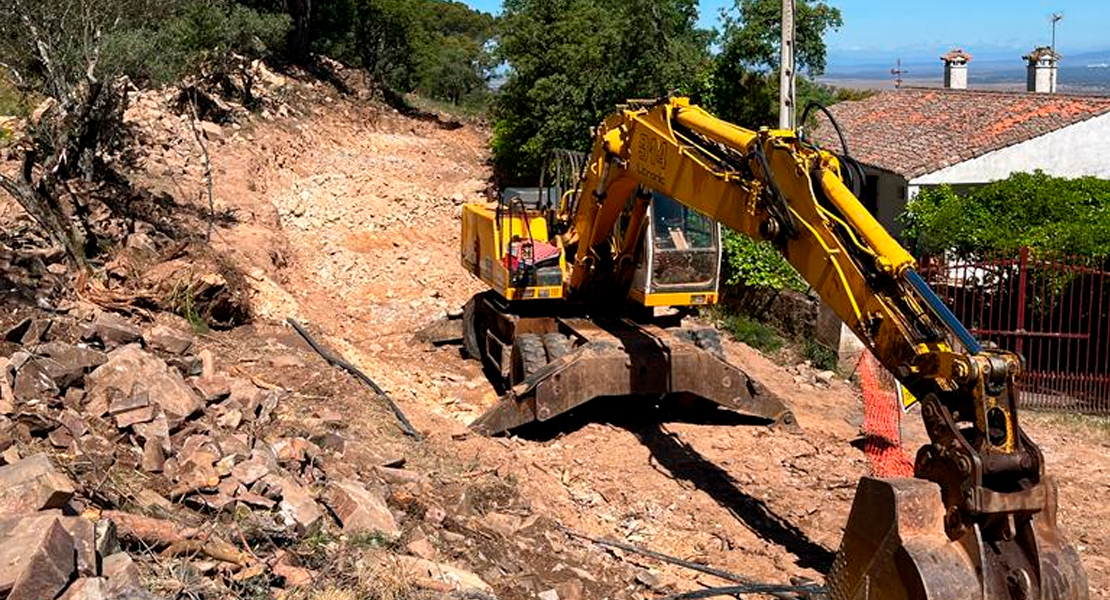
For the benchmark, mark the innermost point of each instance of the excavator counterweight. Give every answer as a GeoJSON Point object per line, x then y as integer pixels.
{"type": "Point", "coordinates": [579, 267]}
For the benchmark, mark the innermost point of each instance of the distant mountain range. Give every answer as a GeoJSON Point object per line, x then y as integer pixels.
{"type": "Point", "coordinates": [1085, 72]}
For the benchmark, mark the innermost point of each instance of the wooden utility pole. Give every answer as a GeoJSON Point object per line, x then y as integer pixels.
{"type": "Point", "coordinates": [786, 68]}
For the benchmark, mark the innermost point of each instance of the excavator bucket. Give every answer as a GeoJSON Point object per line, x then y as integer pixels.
{"type": "Point", "coordinates": [895, 548]}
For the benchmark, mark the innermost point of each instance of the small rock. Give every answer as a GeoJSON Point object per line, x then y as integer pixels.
{"type": "Point", "coordinates": [422, 548]}
{"type": "Point", "coordinates": [167, 339]}
{"type": "Point", "coordinates": [207, 363]}
{"type": "Point", "coordinates": [250, 471]}
{"type": "Point", "coordinates": [28, 331]}
{"type": "Point", "coordinates": [36, 558]}
{"type": "Point", "coordinates": [231, 419]}
{"type": "Point", "coordinates": [420, 570]}
{"type": "Point", "coordinates": [75, 360]}
{"type": "Point", "coordinates": [293, 576]}
{"type": "Point", "coordinates": [31, 485]}
{"type": "Point", "coordinates": [87, 588]}
{"type": "Point", "coordinates": [131, 372]}
{"type": "Point", "coordinates": [9, 456]}
{"type": "Point", "coordinates": [360, 510]}
{"type": "Point", "coordinates": [548, 595]}
{"type": "Point", "coordinates": [570, 590]}
{"type": "Point", "coordinates": [84, 543]}
{"type": "Point", "coordinates": [111, 330]}
{"type": "Point", "coordinates": [825, 377]}
{"type": "Point", "coordinates": [212, 388]}
{"type": "Point", "coordinates": [211, 130]}
{"type": "Point", "coordinates": [294, 449]}
{"type": "Point", "coordinates": [297, 508]}
{"type": "Point", "coordinates": [400, 476]}
{"type": "Point", "coordinates": [35, 381]}
{"type": "Point", "coordinates": [121, 571]}
{"type": "Point", "coordinates": [107, 541]}
{"type": "Point", "coordinates": [154, 457]}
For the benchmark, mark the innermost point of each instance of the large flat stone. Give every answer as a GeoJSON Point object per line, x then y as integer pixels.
{"type": "Point", "coordinates": [31, 485]}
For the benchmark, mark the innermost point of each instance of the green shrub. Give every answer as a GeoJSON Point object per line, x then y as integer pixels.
{"type": "Point", "coordinates": [1026, 209]}
{"type": "Point", "coordinates": [758, 264]}
{"type": "Point", "coordinates": [201, 32]}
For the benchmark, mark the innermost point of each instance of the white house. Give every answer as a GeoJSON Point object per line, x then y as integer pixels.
{"type": "Point", "coordinates": [911, 138]}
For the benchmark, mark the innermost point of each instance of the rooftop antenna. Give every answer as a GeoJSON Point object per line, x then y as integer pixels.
{"type": "Point", "coordinates": [898, 72]}
{"type": "Point", "coordinates": [1055, 18]}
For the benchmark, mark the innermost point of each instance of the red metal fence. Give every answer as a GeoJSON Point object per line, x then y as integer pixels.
{"type": "Point", "coordinates": [1052, 309]}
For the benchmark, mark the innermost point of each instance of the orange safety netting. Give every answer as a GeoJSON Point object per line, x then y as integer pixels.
{"type": "Point", "coordinates": [882, 421]}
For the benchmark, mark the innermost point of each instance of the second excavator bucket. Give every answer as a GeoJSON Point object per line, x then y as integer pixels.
{"type": "Point", "coordinates": [895, 548]}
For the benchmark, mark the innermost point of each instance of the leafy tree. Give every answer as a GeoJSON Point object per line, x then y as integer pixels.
{"type": "Point", "coordinates": [208, 34]}
{"type": "Point", "coordinates": [744, 83]}
{"type": "Point", "coordinates": [572, 61]}
{"type": "Point", "coordinates": [753, 30]}
{"type": "Point", "coordinates": [1026, 209]}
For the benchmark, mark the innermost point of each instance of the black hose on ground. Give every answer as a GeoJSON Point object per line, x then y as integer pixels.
{"type": "Point", "coordinates": [783, 592]}
{"type": "Point", "coordinates": [337, 361]}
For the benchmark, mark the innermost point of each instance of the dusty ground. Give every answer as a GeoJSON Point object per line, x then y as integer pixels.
{"type": "Point", "coordinates": [348, 220]}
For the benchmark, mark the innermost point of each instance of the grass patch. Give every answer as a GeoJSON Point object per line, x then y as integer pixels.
{"type": "Point", "coordinates": [743, 328]}
{"type": "Point", "coordinates": [465, 111]}
{"type": "Point", "coordinates": [1094, 426]}
{"type": "Point", "coordinates": [819, 355]}
{"type": "Point", "coordinates": [13, 103]}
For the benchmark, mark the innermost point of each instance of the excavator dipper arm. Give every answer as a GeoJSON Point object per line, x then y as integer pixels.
{"type": "Point", "coordinates": [981, 512]}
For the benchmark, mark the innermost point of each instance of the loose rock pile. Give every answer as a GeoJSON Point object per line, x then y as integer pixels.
{"type": "Point", "coordinates": [119, 444]}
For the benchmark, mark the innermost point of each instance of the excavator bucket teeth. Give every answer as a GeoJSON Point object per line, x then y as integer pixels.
{"type": "Point", "coordinates": [644, 364]}
{"type": "Point", "coordinates": [895, 548]}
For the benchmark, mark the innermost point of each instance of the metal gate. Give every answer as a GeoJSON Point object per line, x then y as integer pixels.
{"type": "Point", "coordinates": [1052, 309]}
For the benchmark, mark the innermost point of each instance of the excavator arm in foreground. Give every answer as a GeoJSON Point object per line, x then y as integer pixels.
{"type": "Point", "coordinates": [979, 519]}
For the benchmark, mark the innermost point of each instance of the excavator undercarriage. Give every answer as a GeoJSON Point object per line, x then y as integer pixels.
{"type": "Point", "coordinates": [553, 364]}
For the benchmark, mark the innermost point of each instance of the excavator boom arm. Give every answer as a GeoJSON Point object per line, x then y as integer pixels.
{"type": "Point", "coordinates": [771, 185]}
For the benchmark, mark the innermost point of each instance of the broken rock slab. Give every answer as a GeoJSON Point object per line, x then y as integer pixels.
{"type": "Point", "coordinates": [76, 360]}
{"type": "Point", "coordinates": [422, 572]}
{"type": "Point", "coordinates": [111, 330]}
{"type": "Point", "coordinates": [36, 558]}
{"type": "Point", "coordinates": [131, 372]}
{"type": "Point", "coordinates": [168, 339]}
{"type": "Point", "coordinates": [360, 510]}
{"type": "Point", "coordinates": [297, 507]}
{"type": "Point", "coordinates": [31, 485]}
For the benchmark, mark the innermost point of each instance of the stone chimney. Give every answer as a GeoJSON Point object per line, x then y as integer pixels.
{"type": "Point", "coordinates": [1040, 74]}
{"type": "Point", "coordinates": [955, 69]}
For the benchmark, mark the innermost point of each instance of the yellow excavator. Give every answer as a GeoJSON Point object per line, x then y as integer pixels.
{"type": "Point", "coordinates": [576, 270]}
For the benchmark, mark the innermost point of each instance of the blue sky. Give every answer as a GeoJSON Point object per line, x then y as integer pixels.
{"type": "Point", "coordinates": [877, 30]}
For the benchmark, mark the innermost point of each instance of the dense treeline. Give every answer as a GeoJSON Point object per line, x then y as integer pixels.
{"type": "Point", "coordinates": [571, 61]}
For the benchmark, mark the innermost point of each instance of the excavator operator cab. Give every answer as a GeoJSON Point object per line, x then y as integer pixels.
{"type": "Point", "coordinates": [680, 261]}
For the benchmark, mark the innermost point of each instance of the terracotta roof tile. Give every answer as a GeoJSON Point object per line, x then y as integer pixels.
{"type": "Point", "coordinates": [914, 131]}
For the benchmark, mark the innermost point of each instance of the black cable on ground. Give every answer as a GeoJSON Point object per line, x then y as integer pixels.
{"type": "Point", "coordinates": [337, 361]}
{"type": "Point", "coordinates": [783, 594]}
{"type": "Point", "coordinates": [779, 591]}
